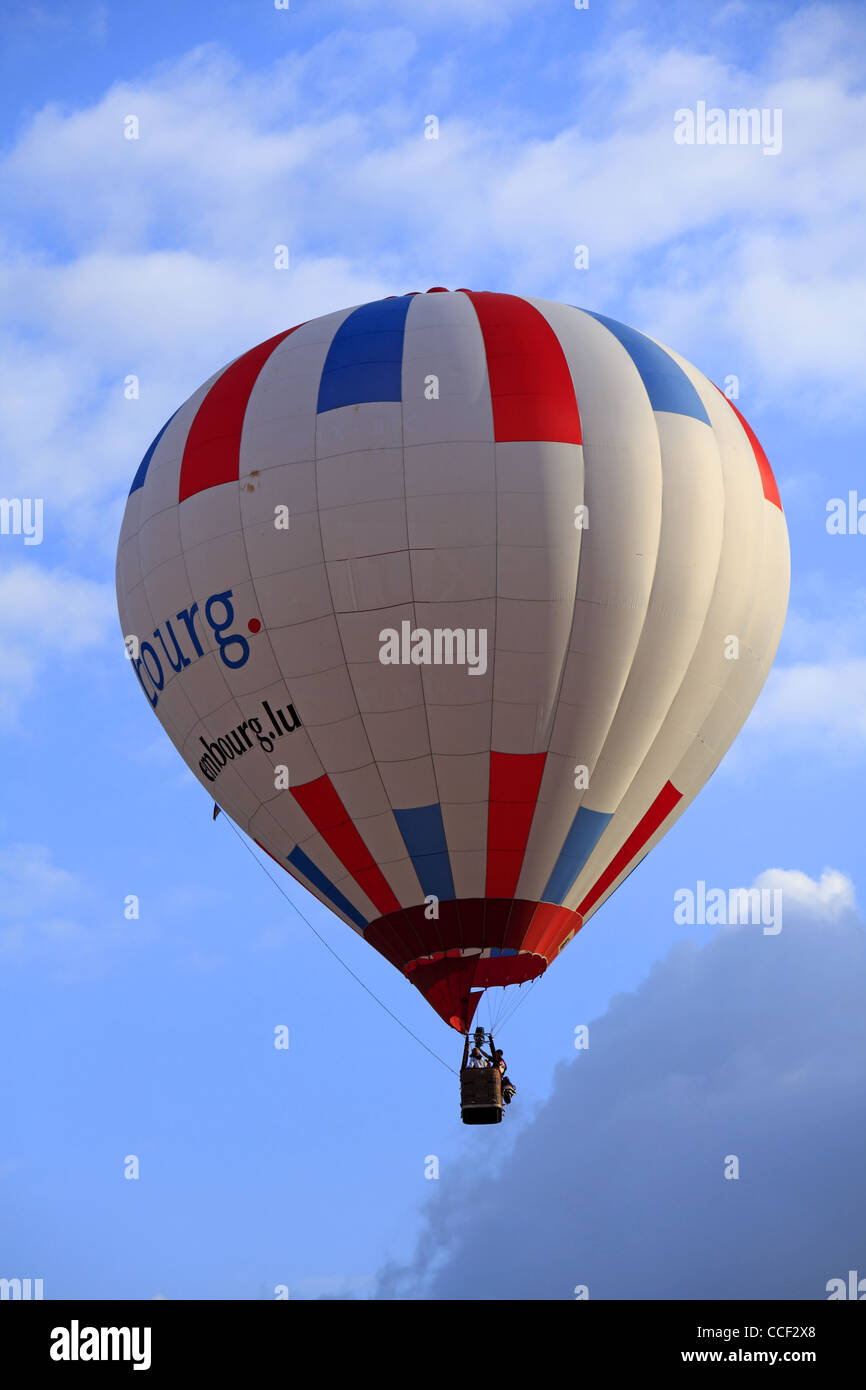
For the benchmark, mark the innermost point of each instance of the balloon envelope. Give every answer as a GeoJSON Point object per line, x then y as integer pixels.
{"type": "Point", "coordinates": [453, 602]}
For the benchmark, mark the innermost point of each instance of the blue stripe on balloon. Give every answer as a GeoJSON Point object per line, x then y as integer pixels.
{"type": "Point", "coordinates": [141, 473]}
{"type": "Point", "coordinates": [586, 831]}
{"type": "Point", "coordinates": [424, 836]}
{"type": "Point", "coordinates": [306, 866]}
{"type": "Point", "coordinates": [666, 383]}
{"type": "Point", "coordinates": [365, 359]}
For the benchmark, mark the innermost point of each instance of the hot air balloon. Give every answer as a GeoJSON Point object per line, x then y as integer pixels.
{"type": "Point", "coordinates": [453, 602]}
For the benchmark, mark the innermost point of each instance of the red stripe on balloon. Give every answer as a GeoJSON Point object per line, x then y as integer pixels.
{"type": "Point", "coordinates": [561, 928]}
{"type": "Point", "coordinates": [320, 801]}
{"type": "Point", "coordinates": [768, 482]}
{"type": "Point", "coordinates": [212, 452]}
{"type": "Point", "coordinates": [530, 384]}
{"type": "Point", "coordinates": [514, 782]}
{"type": "Point", "coordinates": [643, 831]}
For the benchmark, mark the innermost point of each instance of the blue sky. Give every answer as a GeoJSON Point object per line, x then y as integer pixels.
{"type": "Point", "coordinates": [154, 257]}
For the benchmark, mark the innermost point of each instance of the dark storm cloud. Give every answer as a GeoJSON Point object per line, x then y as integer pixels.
{"type": "Point", "coordinates": [751, 1045]}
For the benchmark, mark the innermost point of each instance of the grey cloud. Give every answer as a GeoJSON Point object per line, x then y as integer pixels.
{"type": "Point", "coordinates": [749, 1045]}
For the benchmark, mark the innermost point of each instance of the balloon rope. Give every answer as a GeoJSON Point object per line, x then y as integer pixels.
{"type": "Point", "coordinates": [330, 948]}
{"type": "Point", "coordinates": [512, 1010]}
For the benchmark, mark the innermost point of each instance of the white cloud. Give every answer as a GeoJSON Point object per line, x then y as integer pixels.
{"type": "Point", "coordinates": [819, 705]}
{"type": "Point", "coordinates": [32, 882]}
{"type": "Point", "coordinates": [228, 162]}
{"type": "Point", "coordinates": [830, 624]}
{"type": "Point", "coordinates": [168, 270]}
{"type": "Point", "coordinates": [46, 615]}
{"type": "Point", "coordinates": [36, 896]}
{"type": "Point", "coordinates": [68, 432]}
{"type": "Point", "coordinates": [472, 12]}
{"type": "Point", "coordinates": [60, 612]}
{"type": "Point", "coordinates": [814, 701]}
{"type": "Point", "coordinates": [826, 898]}
{"type": "Point", "coordinates": [50, 916]}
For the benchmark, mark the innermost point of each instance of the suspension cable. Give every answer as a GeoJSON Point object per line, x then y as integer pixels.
{"type": "Point", "coordinates": [330, 948]}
